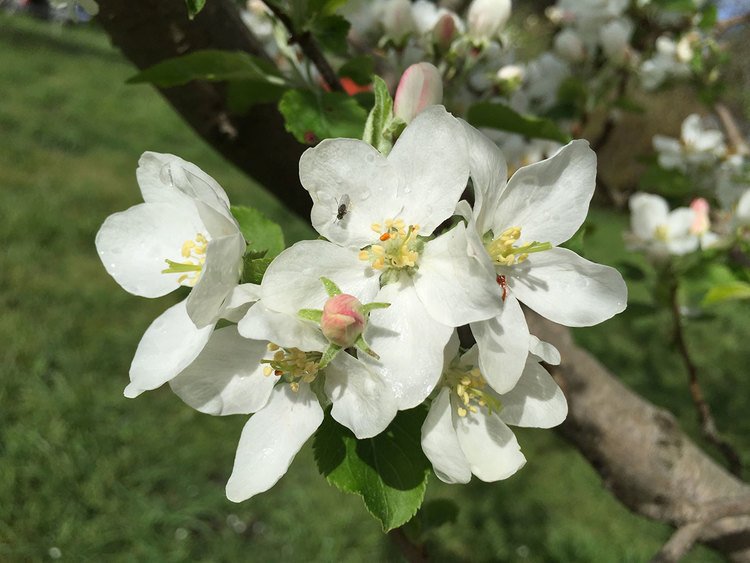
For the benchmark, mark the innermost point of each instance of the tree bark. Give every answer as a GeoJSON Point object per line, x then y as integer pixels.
{"type": "Point", "coordinates": [150, 31]}
{"type": "Point", "coordinates": [644, 458]}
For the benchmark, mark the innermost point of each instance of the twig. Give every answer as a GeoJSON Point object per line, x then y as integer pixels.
{"type": "Point", "coordinates": [707, 422]}
{"type": "Point", "coordinates": [685, 536]}
{"type": "Point", "coordinates": [724, 25]}
{"type": "Point", "coordinates": [734, 135]}
{"type": "Point", "coordinates": [412, 552]}
{"type": "Point", "coordinates": [309, 47]}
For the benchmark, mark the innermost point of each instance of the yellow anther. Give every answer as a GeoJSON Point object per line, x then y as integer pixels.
{"type": "Point", "coordinates": [662, 233]}
{"type": "Point", "coordinates": [294, 386]}
{"type": "Point", "coordinates": [194, 254]}
{"type": "Point", "coordinates": [503, 251]}
{"type": "Point", "coordinates": [271, 347]}
{"type": "Point", "coordinates": [267, 371]}
{"type": "Point", "coordinates": [461, 411]}
{"type": "Point", "coordinates": [469, 388]}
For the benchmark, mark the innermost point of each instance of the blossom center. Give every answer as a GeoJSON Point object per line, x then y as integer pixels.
{"type": "Point", "coordinates": [662, 233]}
{"type": "Point", "coordinates": [469, 386]}
{"type": "Point", "coordinates": [398, 246]}
{"type": "Point", "coordinates": [193, 252]}
{"type": "Point", "coordinates": [504, 252]}
{"type": "Point", "coordinates": [292, 365]}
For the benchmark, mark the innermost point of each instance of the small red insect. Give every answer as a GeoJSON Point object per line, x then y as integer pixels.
{"type": "Point", "coordinates": [502, 283]}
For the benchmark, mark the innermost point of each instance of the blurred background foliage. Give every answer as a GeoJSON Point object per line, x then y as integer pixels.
{"type": "Point", "coordinates": [86, 474]}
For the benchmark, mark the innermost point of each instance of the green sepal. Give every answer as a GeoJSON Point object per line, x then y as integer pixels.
{"type": "Point", "coordinates": [371, 306]}
{"type": "Point", "coordinates": [310, 314]}
{"type": "Point", "coordinates": [365, 347]}
{"type": "Point", "coordinates": [331, 288]}
{"type": "Point", "coordinates": [380, 117]}
{"type": "Point", "coordinates": [329, 354]}
{"type": "Point", "coordinates": [254, 266]}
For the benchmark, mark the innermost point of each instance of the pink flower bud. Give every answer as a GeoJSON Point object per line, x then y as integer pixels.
{"type": "Point", "coordinates": [487, 17]}
{"type": "Point", "coordinates": [701, 222]}
{"type": "Point", "coordinates": [420, 87]}
{"type": "Point", "coordinates": [444, 31]}
{"type": "Point", "coordinates": [343, 320]}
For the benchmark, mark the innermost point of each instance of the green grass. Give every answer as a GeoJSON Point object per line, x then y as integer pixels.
{"type": "Point", "coordinates": [101, 477]}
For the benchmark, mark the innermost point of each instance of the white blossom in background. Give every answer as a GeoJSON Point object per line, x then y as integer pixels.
{"type": "Point", "coordinates": [732, 180]}
{"type": "Point", "coordinates": [395, 205]}
{"type": "Point", "coordinates": [659, 231]}
{"type": "Point", "coordinates": [466, 430]}
{"type": "Point", "coordinates": [182, 235]}
{"type": "Point", "coordinates": [742, 212]}
{"type": "Point", "coordinates": [517, 227]}
{"type": "Point", "coordinates": [486, 18]}
{"type": "Point", "coordinates": [667, 62]}
{"type": "Point", "coordinates": [569, 46]}
{"type": "Point", "coordinates": [698, 146]}
{"type": "Point", "coordinates": [614, 38]}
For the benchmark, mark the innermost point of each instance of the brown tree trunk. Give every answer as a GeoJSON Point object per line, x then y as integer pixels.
{"type": "Point", "coordinates": [644, 458]}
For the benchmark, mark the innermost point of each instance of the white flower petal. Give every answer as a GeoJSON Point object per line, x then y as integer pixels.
{"type": "Point", "coordinates": [219, 276]}
{"type": "Point", "coordinates": [239, 300]}
{"type": "Point", "coordinates": [567, 289]}
{"type": "Point", "coordinates": [292, 281]}
{"type": "Point", "coordinates": [440, 443]}
{"type": "Point", "coordinates": [544, 351]}
{"type": "Point", "coordinates": [549, 200]}
{"type": "Point", "coordinates": [648, 212]}
{"type": "Point", "coordinates": [338, 170]}
{"type": "Point", "coordinates": [432, 161]}
{"type": "Point", "coordinates": [288, 331]}
{"type": "Point", "coordinates": [503, 346]}
{"type": "Point", "coordinates": [455, 287]}
{"type": "Point", "coordinates": [168, 346]}
{"type": "Point", "coordinates": [134, 245]}
{"type": "Point", "coordinates": [227, 376]}
{"type": "Point", "coordinates": [679, 221]}
{"type": "Point", "coordinates": [410, 344]}
{"type": "Point", "coordinates": [362, 401]}
{"type": "Point", "coordinates": [271, 439]}
{"type": "Point", "coordinates": [536, 401]}
{"type": "Point", "coordinates": [489, 445]}
{"type": "Point", "coordinates": [489, 173]}
{"type": "Point", "coordinates": [159, 173]}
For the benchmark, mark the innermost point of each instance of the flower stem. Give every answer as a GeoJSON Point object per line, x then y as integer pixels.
{"type": "Point", "coordinates": [412, 552]}
{"type": "Point", "coordinates": [705, 417]}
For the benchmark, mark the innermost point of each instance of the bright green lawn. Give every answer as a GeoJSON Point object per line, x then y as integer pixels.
{"type": "Point", "coordinates": [102, 477]}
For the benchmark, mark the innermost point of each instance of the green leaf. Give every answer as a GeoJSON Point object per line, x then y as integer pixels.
{"type": "Point", "coordinates": [726, 292]}
{"type": "Point", "coordinates": [243, 94]}
{"type": "Point", "coordinates": [194, 6]}
{"type": "Point", "coordinates": [210, 65]}
{"type": "Point", "coordinates": [325, 7]}
{"type": "Point", "coordinates": [500, 116]}
{"type": "Point", "coordinates": [388, 471]}
{"type": "Point", "coordinates": [670, 183]}
{"type": "Point", "coordinates": [313, 116]}
{"type": "Point", "coordinates": [331, 32]}
{"type": "Point", "coordinates": [261, 234]}
{"type": "Point", "coordinates": [253, 268]}
{"type": "Point", "coordinates": [380, 117]}
{"type": "Point", "coordinates": [359, 69]}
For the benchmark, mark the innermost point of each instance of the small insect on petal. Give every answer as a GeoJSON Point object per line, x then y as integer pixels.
{"type": "Point", "coordinates": [343, 207]}
{"type": "Point", "coordinates": [502, 283]}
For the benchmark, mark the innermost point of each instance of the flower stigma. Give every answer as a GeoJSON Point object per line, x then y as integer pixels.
{"type": "Point", "coordinates": [292, 366]}
{"type": "Point", "coordinates": [503, 252]}
{"type": "Point", "coordinates": [469, 386]}
{"type": "Point", "coordinates": [194, 254]}
{"type": "Point", "coordinates": [398, 246]}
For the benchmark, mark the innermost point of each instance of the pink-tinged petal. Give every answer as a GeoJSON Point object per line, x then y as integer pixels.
{"type": "Point", "coordinates": [489, 445]}
{"type": "Point", "coordinates": [168, 346]}
{"type": "Point", "coordinates": [410, 344]}
{"type": "Point", "coordinates": [271, 439]}
{"type": "Point", "coordinates": [432, 162]}
{"type": "Point", "coordinates": [420, 86]}
{"type": "Point", "coordinates": [456, 286]}
{"type": "Point", "coordinates": [159, 174]}
{"type": "Point", "coordinates": [134, 245]}
{"type": "Point", "coordinates": [503, 344]}
{"type": "Point", "coordinates": [362, 401]}
{"type": "Point", "coordinates": [440, 443]}
{"type": "Point", "coordinates": [227, 376]}
{"type": "Point", "coordinates": [536, 401]}
{"type": "Point", "coordinates": [352, 174]}
{"type": "Point", "coordinates": [489, 173]}
{"type": "Point", "coordinates": [288, 331]}
{"type": "Point", "coordinates": [567, 289]}
{"type": "Point", "coordinates": [292, 281]}
{"type": "Point", "coordinates": [219, 276]}
{"type": "Point", "coordinates": [549, 200]}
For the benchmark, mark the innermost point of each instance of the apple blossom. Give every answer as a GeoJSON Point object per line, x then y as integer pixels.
{"type": "Point", "coordinates": [657, 230]}
{"type": "Point", "coordinates": [516, 229]}
{"type": "Point", "coordinates": [466, 430]}
{"type": "Point", "coordinates": [397, 202]}
{"type": "Point", "coordinates": [699, 146]}
{"type": "Point", "coordinates": [420, 86]}
{"type": "Point", "coordinates": [486, 18]}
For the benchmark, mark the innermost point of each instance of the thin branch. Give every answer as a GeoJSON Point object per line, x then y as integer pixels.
{"type": "Point", "coordinates": [685, 537]}
{"type": "Point", "coordinates": [309, 47]}
{"type": "Point", "coordinates": [729, 23]}
{"type": "Point", "coordinates": [734, 135]}
{"type": "Point", "coordinates": [411, 551]}
{"type": "Point", "coordinates": [705, 417]}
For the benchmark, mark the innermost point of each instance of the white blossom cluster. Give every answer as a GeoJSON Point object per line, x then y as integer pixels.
{"type": "Point", "coordinates": [365, 319]}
